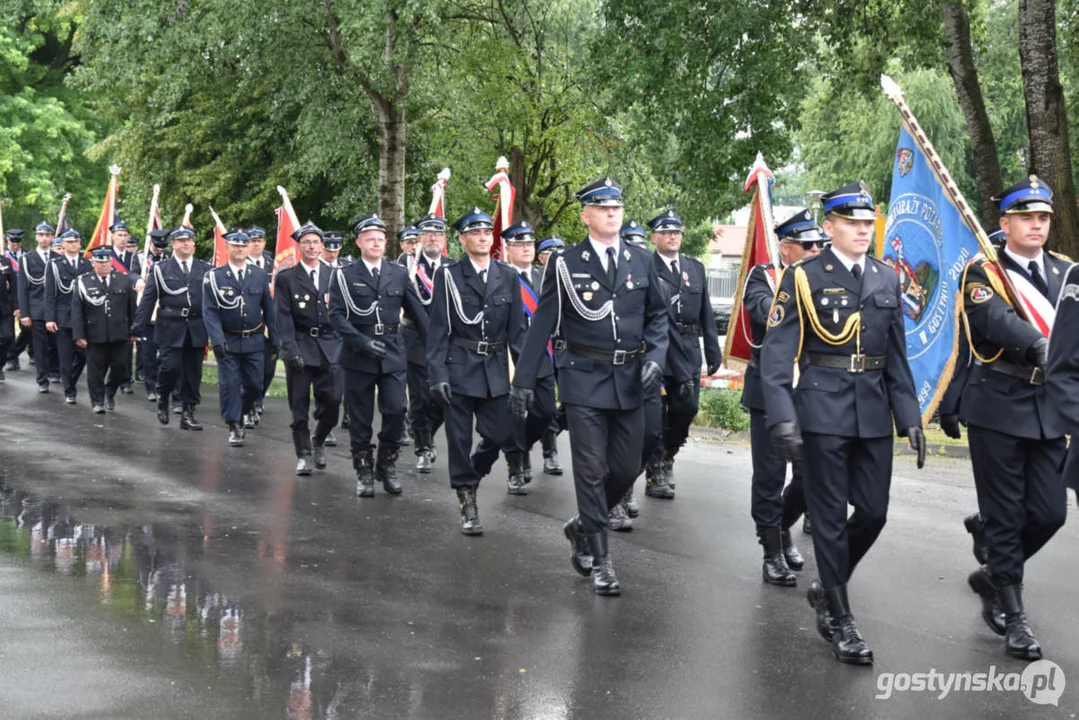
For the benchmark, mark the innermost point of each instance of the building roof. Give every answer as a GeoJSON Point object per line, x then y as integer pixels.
{"type": "Point", "coordinates": [728, 240]}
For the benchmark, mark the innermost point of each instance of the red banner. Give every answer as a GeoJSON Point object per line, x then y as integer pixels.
{"type": "Point", "coordinates": [505, 197]}
{"type": "Point", "coordinates": [108, 213]}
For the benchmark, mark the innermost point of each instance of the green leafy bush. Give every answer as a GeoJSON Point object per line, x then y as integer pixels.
{"type": "Point", "coordinates": [723, 408]}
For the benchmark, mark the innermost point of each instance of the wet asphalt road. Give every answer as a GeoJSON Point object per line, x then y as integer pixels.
{"type": "Point", "coordinates": [150, 572]}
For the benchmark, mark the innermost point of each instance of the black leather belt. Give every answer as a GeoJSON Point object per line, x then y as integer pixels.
{"type": "Point", "coordinates": [615, 357]}
{"type": "Point", "coordinates": [316, 330]}
{"type": "Point", "coordinates": [378, 329]}
{"type": "Point", "coordinates": [685, 328]}
{"type": "Point", "coordinates": [186, 313]}
{"type": "Point", "coordinates": [1033, 375]}
{"type": "Point", "coordinates": [480, 348]}
{"type": "Point", "coordinates": [850, 363]}
{"type": "Point", "coordinates": [245, 333]}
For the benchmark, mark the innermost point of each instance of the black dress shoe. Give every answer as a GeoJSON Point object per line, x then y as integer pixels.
{"type": "Point", "coordinates": [99, 409]}
{"type": "Point", "coordinates": [470, 513]}
{"type": "Point", "coordinates": [364, 466]}
{"type": "Point", "coordinates": [69, 399]}
{"type": "Point", "coordinates": [794, 558]}
{"type": "Point", "coordinates": [236, 435]}
{"type": "Point", "coordinates": [318, 456]}
{"type": "Point", "coordinates": [423, 461]}
{"type": "Point", "coordinates": [807, 526]}
{"type": "Point", "coordinates": [249, 420]}
{"type": "Point", "coordinates": [847, 642]}
{"type": "Point", "coordinates": [580, 556]}
{"type": "Point", "coordinates": [976, 528]}
{"type": "Point", "coordinates": [549, 443]}
{"type": "Point", "coordinates": [604, 581]}
{"type": "Point", "coordinates": [110, 403]}
{"type": "Point", "coordinates": [258, 407]}
{"type": "Point", "coordinates": [303, 465]}
{"type": "Point", "coordinates": [774, 570]}
{"type": "Point", "coordinates": [386, 469]}
{"type": "Point", "coordinates": [630, 503]}
{"type": "Point", "coordinates": [817, 601]}
{"type": "Point", "coordinates": [1019, 640]}
{"type": "Point", "coordinates": [330, 440]}
{"type": "Point", "coordinates": [43, 387]}
{"type": "Point", "coordinates": [515, 483]}
{"type": "Point", "coordinates": [188, 421]}
{"type": "Point", "coordinates": [163, 410]}
{"type": "Point", "coordinates": [992, 612]}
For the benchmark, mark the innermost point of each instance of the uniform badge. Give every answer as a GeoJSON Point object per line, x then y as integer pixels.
{"type": "Point", "coordinates": [586, 256]}
{"type": "Point", "coordinates": [834, 291]}
{"type": "Point", "coordinates": [782, 297]}
{"type": "Point", "coordinates": [629, 284]}
{"type": "Point", "coordinates": [587, 297]}
{"type": "Point", "coordinates": [625, 254]}
{"type": "Point", "coordinates": [685, 277]}
{"type": "Point", "coordinates": [303, 305]}
{"type": "Point", "coordinates": [843, 301]}
{"type": "Point", "coordinates": [835, 317]}
{"type": "Point", "coordinates": [1056, 271]}
{"type": "Point", "coordinates": [874, 267]}
{"type": "Point", "coordinates": [595, 285]}
{"type": "Point", "coordinates": [980, 294]}
{"type": "Point", "coordinates": [824, 302]}
{"type": "Point", "coordinates": [306, 297]}
{"type": "Point", "coordinates": [828, 268]}
{"type": "Point", "coordinates": [776, 317]}
{"type": "Point", "coordinates": [327, 299]}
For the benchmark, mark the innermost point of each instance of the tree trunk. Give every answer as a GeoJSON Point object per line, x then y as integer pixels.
{"type": "Point", "coordinates": [392, 141]}
{"type": "Point", "coordinates": [1046, 121]}
{"type": "Point", "coordinates": [965, 76]}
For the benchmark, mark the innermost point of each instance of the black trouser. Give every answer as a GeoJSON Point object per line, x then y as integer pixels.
{"type": "Point", "coordinates": [326, 383]}
{"type": "Point", "coordinates": [538, 421]}
{"type": "Point", "coordinates": [360, 404]}
{"type": "Point", "coordinates": [1071, 467]}
{"type": "Point", "coordinates": [22, 342]}
{"type": "Point", "coordinates": [653, 427]}
{"type": "Point", "coordinates": [768, 500]}
{"type": "Point", "coordinates": [43, 343]}
{"type": "Point", "coordinates": [269, 367]}
{"type": "Point", "coordinates": [112, 358]}
{"type": "Point", "coordinates": [492, 420]}
{"type": "Point", "coordinates": [130, 362]}
{"type": "Point", "coordinates": [5, 344]}
{"type": "Point", "coordinates": [181, 366]}
{"type": "Point", "coordinates": [72, 361]}
{"type": "Point", "coordinates": [1021, 497]}
{"type": "Point", "coordinates": [604, 447]}
{"type": "Point", "coordinates": [423, 412]}
{"type": "Point", "coordinates": [239, 381]}
{"type": "Point", "coordinates": [678, 414]}
{"type": "Point", "coordinates": [149, 362]}
{"type": "Point", "coordinates": [837, 470]}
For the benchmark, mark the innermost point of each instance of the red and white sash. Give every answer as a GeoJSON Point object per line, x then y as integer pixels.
{"type": "Point", "coordinates": [1038, 308]}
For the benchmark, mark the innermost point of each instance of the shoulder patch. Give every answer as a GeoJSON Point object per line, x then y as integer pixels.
{"type": "Point", "coordinates": [1061, 256]}
{"type": "Point", "coordinates": [980, 293]}
{"type": "Point", "coordinates": [782, 297]}
{"type": "Point", "coordinates": [776, 317]}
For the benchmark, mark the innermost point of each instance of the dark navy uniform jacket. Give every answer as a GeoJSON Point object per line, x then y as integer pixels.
{"type": "Point", "coordinates": [417, 348]}
{"type": "Point", "coordinates": [691, 318]}
{"type": "Point", "coordinates": [131, 260]}
{"type": "Point", "coordinates": [1062, 377]}
{"type": "Point", "coordinates": [32, 277]}
{"type": "Point", "coordinates": [535, 279]}
{"type": "Point", "coordinates": [368, 304]}
{"type": "Point", "coordinates": [100, 322]}
{"type": "Point", "coordinates": [60, 288]}
{"type": "Point", "coordinates": [303, 316]}
{"type": "Point", "coordinates": [178, 302]}
{"type": "Point", "coordinates": [993, 399]}
{"type": "Point", "coordinates": [499, 302]}
{"type": "Point", "coordinates": [757, 299]}
{"type": "Point", "coordinates": [223, 310]}
{"type": "Point", "coordinates": [8, 293]}
{"type": "Point", "coordinates": [267, 262]}
{"type": "Point", "coordinates": [832, 400]}
{"type": "Point", "coordinates": [639, 319]}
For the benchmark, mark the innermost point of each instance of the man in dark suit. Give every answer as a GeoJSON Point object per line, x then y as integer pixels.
{"type": "Point", "coordinates": [125, 259]}
{"type": "Point", "coordinates": [102, 322]}
{"type": "Point", "coordinates": [601, 302]}
{"type": "Point", "coordinates": [8, 305]}
{"type": "Point", "coordinates": [366, 301]}
{"type": "Point", "coordinates": [773, 508]}
{"type": "Point", "coordinates": [309, 347]}
{"type": "Point", "coordinates": [59, 291]}
{"type": "Point", "coordinates": [32, 273]}
{"type": "Point", "coordinates": [263, 259]}
{"type": "Point", "coordinates": [172, 302]}
{"type": "Point", "coordinates": [1017, 443]}
{"type": "Point", "coordinates": [839, 315]}
{"type": "Point", "coordinates": [476, 323]}
{"type": "Point", "coordinates": [238, 311]}
{"type": "Point", "coordinates": [13, 253]}
{"type": "Point", "coordinates": [549, 442]}
{"type": "Point", "coordinates": [1062, 372]}
{"type": "Point", "coordinates": [147, 352]}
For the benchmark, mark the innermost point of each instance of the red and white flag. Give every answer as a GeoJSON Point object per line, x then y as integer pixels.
{"type": "Point", "coordinates": [108, 212]}
{"type": "Point", "coordinates": [286, 254]}
{"type": "Point", "coordinates": [221, 251]}
{"type": "Point", "coordinates": [505, 196]}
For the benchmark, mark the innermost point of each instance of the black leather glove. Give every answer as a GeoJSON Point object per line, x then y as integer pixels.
{"type": "Point", "coordinates": [787, 441]}
{"type": "Point", "coordinates": [651, 376]}
{"type": "Point", "coordinates": [917, 443]}
{"type": "Point", "coordinates": [950, 425]}
{"type": "Point", "coordinates": [275, 351]}
{"type": "Point", "coordinates": [712, 367]}
{"type": "Point", "coordinates": [685, 390]}
{"type": "Point", "coordinates": [296, 363]}
{"type": "Point", "coordinates": [520, 401]}
{"type": "Point", "coordinates": [441, 394]}
{"type": "Point", "coordinates": [220, 353]}
{"type": "Point", "coordinates": [1039, 353]}
{"type": "Point", "coordinates": [375, 348]}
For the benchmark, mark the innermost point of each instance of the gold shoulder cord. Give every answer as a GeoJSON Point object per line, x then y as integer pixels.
{"type": "Point", "coordinates": [852, 330]}
{"type": "Point", "coordinates": [961, 308]}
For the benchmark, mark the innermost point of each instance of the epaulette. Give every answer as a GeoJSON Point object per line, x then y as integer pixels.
{"type": "Point", "coordinates": [1061, 256]}
{"type": "Point", "coordinates": [696, 260]}
{"type": "Point", "coordinates": [878, 261]}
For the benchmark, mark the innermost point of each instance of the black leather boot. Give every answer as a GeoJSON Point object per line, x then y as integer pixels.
{"type": "Point", "coordinates": [604, 581]}
{"type": "Point", "coordinates": [526, 466]}
{"type": "Point", "coordinates": [774, 571]}
{"type": "Point", "coordinates": [515, 483]}
{"type": "Point", "coordinates": [386, 469]}
{"type": "Point", "coordinates": [992, 613]}
{"type": "Point", "coordinates": [365, 474]}
{"type": "Point", "coordinates": [330, 440]}
{"type": "Point", "coordinates": [795, 561]}
{"type": "Point", "coordinates": [250, 420]}
{"type": "Point", "coordinates": [187, 418]}
{"type": "Point", "coordinates": [318, 456]}
{"type": "Point", "coordinates": [1019, 640]}
{"type": "Point", "coordinates": [551, 465]}
{"type": "Point", "coordinates": [302, 442]}
{"type": "Point", "coordinates": [423, 451]}
{"type": "Point", "coordinates": [236, 435]}
{"type": "Point", "coordinates": [976, 528]}
{"type": "Point", "coordinates": [163, 409]}
{"type": "Point", "coordinates": [656, 480]}
{"type": "Point", "coordinates": [470, 512]}
{"type": "Point", "coordinates": [847, 642]}
{"type": "Point", "coordinates": [630, 503]}
{"type": "Point", "coordinates": [668, 468]}
{"type": "Point", "coordinates": [580, 555]}
{"type": "Point", "coordinates": [817, 601]}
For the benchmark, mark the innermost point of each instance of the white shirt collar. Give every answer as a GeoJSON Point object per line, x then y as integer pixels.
{"type": "Point", "coordinates": [237, 268]}
{"type": "Point", "coordinates": [477, 268]}
{"type": "Point", "coordinates": [1024, 262]}
{"type": "Point", "coordinates": [371, 268]}
{"type": "Point", "coordinates": [848, 263]}
{"type": "Point", "coordinates": [601, 250]}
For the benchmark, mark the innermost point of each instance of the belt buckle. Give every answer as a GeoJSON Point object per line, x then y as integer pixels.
{"type": "Point", "coordinates": [1037, 377]}
{"type": "Point", "coordinates": [857, 364]}
{"type": "Point", "coordinates": [184, 312]}
{"type": "Point", "coordinates": [619, 357]}
{"type": "Point", "coordinates": [481, 347]}
{"type": "Point", "coordinates": [314, 332]}
{"type": "Point", "coordinates": [559, 344]}
{"type": "Point", "coordinates": [380, 329]}
{"type": "Point", "coordinates": [245, 334]}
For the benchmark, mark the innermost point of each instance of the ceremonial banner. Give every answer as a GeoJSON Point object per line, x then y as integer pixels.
{"type": "Point", "coordinates": [761, 247]}
{"type": "Point", "coordinates": [108, 213]}
{"type": "Point", "coordinates": [61, 219]}
{"type": "Point", "coordinates": [505, 196]}
{"type": "Point", "coordinates": [438, 198]}
{"type": "Point", "coordinates": [927, 244]}
{"type": "Point", "coordinates": [221, 251]}
{"type": "Point", "coordinates": [153, 222]}
{"type": "Point", "coordinates": [286, 254]}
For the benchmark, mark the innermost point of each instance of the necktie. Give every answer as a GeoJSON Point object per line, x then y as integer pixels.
{"type": "Point", "coordinates": [610, 267]}
{"type": "Point", "coordinates": [1036, 277]}
{"type": "Point", "coordinates": [483, 276]}
{"type": "Point", "coordinates": [107, 278]}
{"type": "Point", "coordinates": [183, 267]}
{"type": "Point", "coordinates": [240, 276]}
{"type": "Point", "coordinates": [674, 267]}
{"type": "Point", "coordinates": [374, 273]}
{"type": "Point", "coordinates": [74, 264]}
{"type": "Point", "coordinates": [314, 280]}
{"type": "Point", "coordinates": [526, 278]}
{"type": "Point", "coordinates": [856, 271]}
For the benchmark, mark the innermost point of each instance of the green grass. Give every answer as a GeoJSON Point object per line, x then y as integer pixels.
{"type": "Point", "coordinates": [277, 387]}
